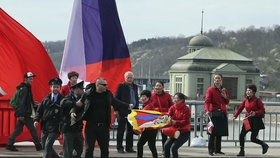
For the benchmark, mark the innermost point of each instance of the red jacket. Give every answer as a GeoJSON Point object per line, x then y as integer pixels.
{"type": "Point", "coordinates": [250, 105]}
{"type": "Point", "coordinates": [181, 114]}
{"type": "Point", "coordinates": [149, 105]}
{"type": "Point", "coordinates": [214, 100]}
{"type": "Point", "coordinates": [161, 102]}
{"type": "Point", "coordinates": [65, 90]}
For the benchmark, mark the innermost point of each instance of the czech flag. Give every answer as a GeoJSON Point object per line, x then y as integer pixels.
{"type": "Point", "coordinates": [95, 46]}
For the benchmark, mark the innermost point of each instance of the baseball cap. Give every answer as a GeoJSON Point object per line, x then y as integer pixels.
{"type": "Point", "coordinates": [29, 74]}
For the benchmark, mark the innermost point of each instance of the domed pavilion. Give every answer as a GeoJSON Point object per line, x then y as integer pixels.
{"type": "Point", "coordinates": [193, 73]}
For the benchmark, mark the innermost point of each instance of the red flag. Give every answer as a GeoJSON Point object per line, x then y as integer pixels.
{"type": "Point", "coordinates": [20, 52]}
{"type": "Point", "coordinates": [96, 46]}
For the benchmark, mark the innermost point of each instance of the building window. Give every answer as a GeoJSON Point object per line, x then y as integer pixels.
{"type": "Point", "coordinates": [178, 84]}
{"type": "Point", "coordinates": [199, 87]}
{"type": "Point", "coordinates": [249, 81]}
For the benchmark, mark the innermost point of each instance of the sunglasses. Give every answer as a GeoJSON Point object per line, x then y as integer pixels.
{"type": "Point", "coordinates": [103, 84]}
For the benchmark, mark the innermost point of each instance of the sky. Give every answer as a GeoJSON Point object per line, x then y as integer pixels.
{"type": "Point", "coordinates": [49, 20]}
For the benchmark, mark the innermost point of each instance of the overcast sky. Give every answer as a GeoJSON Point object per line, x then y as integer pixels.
{"type": "Point", "coordinates": [48, 20]}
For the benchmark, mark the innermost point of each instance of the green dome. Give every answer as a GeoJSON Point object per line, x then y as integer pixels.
{"type": "Point", "coordinates": [201, 40]}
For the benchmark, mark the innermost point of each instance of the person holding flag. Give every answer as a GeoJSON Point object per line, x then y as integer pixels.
{"type": "Point", "coordinates": [149, 134]}
{"type": "Point", "coordinates": [180, 119]}
{"type": "Point", "coordinates": [215, 103]}
{"type": "Point", "coordinates": [162, 101]}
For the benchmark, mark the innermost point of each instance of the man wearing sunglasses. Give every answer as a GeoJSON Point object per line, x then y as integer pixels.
{"type": "Point", "coordinates": [97, 102]}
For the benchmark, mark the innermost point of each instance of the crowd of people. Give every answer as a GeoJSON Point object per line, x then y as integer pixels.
{"type": "Point", "coordinates": [69, 109]}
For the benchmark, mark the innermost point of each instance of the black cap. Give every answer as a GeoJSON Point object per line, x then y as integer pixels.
{"type": "Point", "coordinates": [55, 81]}
{"type": "Point", "coordinates": [147, 93]}
{"type": "Point", "coordinates": [78, 85]}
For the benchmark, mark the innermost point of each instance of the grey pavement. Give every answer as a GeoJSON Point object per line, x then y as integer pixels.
{"type": "Point", "coordinates": [185, 151]}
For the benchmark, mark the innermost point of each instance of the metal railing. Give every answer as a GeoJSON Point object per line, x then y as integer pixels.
{"type": "Point", "coordinates": [271, 121]}
{"type": "Point", "coordinates": [269, 134]}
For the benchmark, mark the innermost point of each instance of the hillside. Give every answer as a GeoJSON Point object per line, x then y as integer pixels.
{"type": "Point", "coordinates": [158, 54]}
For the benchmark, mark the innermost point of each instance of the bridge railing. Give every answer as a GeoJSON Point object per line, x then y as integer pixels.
{"type": "Point", "coordinates": [271, 121]}
{"type": "Point", "coordinates": [199, 121]}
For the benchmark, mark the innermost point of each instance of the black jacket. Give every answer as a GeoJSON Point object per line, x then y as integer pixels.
{"type": "Point", "coordinates": [67, 104]}
{"type": "Point", "coordinates": [50, 113]}
{"type": "Point", "coordinates": [123, 94]}
{"type": "Point", "coordinates": [25, 101]}
{"type": "Point", "coordinates": [86, 100]}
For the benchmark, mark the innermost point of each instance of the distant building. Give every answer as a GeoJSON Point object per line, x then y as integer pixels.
{"type": "Point", "coordinates": [149, 82]}
{"type": "Point", "coordinates": [192, 73]}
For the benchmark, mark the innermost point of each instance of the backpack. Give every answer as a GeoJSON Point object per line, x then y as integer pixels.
{"type": "Point", "coordinates": [257, 104]}
{"type": "Point", "coordinates": [14, 102]}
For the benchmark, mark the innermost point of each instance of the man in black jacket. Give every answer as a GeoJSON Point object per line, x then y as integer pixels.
{"type": "Point", "coordinates": [126, 92]}
{"type": "Point", "coordinates": [25, 113]}
{"type": "Point", "coordinates": [97, 102]}
{"type": "Point", "coordinates": [72, 135]}
{"type": "Point", "coordinates": [50, 113]}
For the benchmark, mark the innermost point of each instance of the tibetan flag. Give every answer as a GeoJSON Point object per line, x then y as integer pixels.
{"type": "Point", "coordinates": [95, 46]}
{"type": "Point", "coordinates": [140, 119]}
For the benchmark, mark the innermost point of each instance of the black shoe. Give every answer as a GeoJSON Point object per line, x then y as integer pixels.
{"type": "Point", "coordinates": [241, 153]}
{"type": "Point", "coordinates": [11, 148]}
{"type": "Point", "coordinates": [38, 147]}
{"type": "Point", "coordinates": [265, 148]}
{"type": "Point", "coordinates": [219, 152]}
{"type": "Point", "coordinates": [130, 151]}
{"type": "Point", "coordinates": [211, 153]}
{"type": "Point", "coordinates": [121, 151]}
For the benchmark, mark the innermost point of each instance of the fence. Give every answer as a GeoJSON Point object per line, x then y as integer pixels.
{"type": "Point", "coordinates": [199, 121]}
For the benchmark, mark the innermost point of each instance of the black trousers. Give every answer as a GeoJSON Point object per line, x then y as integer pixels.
{"type": "Point", "coordinates": [175, 144]}
{"type": "Point", "coordinates": [253, 137]}
{"type": "Point", "coordinates": [150, 137]}
{"type": "Point", "coordinates": [28, 121]}
{"type": "Point", "coordinates": [73, 141]}
{"type": "Point", "coordinates": [163, 140]}
{"type": "Point", "coordinates": [48, 139]}
{"type": "Point", "coordinates": [99, 132]}
{"type": "Point", "coordinates": [122, 125]}
{"type": "Point", "coordinates": [214, 143]}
